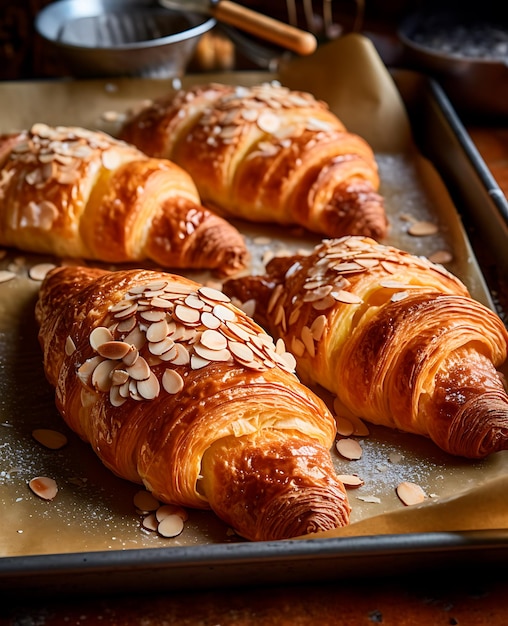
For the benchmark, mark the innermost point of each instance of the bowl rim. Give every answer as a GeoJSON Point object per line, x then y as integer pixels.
{"type": "Point", "coordinates": [49, 11]}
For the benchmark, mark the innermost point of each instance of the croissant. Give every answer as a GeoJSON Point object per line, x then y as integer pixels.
{"type": "Point", "coordinates": [266, 154]}
{"type": "Point", "coordinates": [398, 339]}
{"type": "Point", "coordinates": [177, 389]}
{"type": "Point", "coordinates": [73, 192]}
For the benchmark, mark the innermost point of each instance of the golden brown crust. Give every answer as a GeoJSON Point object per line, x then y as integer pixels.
{"type": "Point", "coordinates": [77, 193]}
{"type": "Point", "coordinates": [267, 154]}
{"type": "Point", "coordinates": [167, 380]}
{"type": "Point", "coordinates": [398, 339]}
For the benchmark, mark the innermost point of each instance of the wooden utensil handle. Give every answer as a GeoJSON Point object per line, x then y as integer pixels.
{"type": "Point", "coordinates": [284, 35]}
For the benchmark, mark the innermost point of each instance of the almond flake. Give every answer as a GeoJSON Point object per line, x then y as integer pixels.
{"type": "Point", "coordinates": [346, 297]}
{"type": "Point", "coordinates": [145, 501]}
{"type": "Point", "coordinates": [157, 331]}
{"type": "Point", "coordinates": [440, 257]}
{"type": "Point", "coordinates": [400, 295]}
{"type": "Point", "coordinates": [212, 354]}
{"type": "Point", "coordinates": [240, 351]}
{"type": "Point", "coordinates": [150, 522]}
{"type": "Point", "coordinates": [345, 427]}
{"type": "Point", "coordinates": [101, 376]}
{"type": "Point", "coordinates": [70, 346]}
{"type": "Point", "coordinates": [5, 275]}
{"type": "Point", "coordinates": [268, 122]}
{"type": "Point", "coordinates": [153, 315]}
{"type": "Point", "coordinates": [39, 271]}
{"type": "Point", "coordinates": [308, 341]}
{"type": "Point", "coordinates": [171, 526]}
{"type": "Point", "coordinates": [224, 313]}
{"type": "Point", "coordinates": [135, 346]}
{"type": "Point", "coordinates": [172, 381]}
{"type": "Point", "coordinates": [350, 480]}
{"type": "Point", "coordinates": [115, 350]}
{"type": "Point", "coordinates": [361, 429]}
{"type": "Point", "coordinates": [170, 509]}
{"type": "Point", "coordinates": [213, 294]}
{"type": "Point", "coordinates": [318, 326]}
{"type": "Point", "coordinates": [161, 347]}
{"type": "Point", "coordinates": [139, 370]}
{"type": "Point", "coordinates": [423, 229]}
{"type": "Point", "coordinates": [213, 340]}
{"type": "Point", "coordinates": [369, 499]}
{"type": "Point", "coordinates": [410, 493]}
{"type": "Point", "coordinates": [100, 335]}
{"type": "Point", "coordinates": [210, 321]}
{"type": "Point", "coordinates": [149, 388]}
{"type": "Point", "coordinates": [186, 314]}
{"type": "Point", "coordinates": [297, 346]}
{"type": "Point", "coordinates": [49, 438]}
{"type": "Point", "coordinates": [44, 487]}
{"type": "Point", "coordinates": [349, 449]}
{"type": "Point", "coordinates": [197, 362]}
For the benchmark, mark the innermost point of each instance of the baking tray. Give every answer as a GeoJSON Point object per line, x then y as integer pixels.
{"type": "Point", "coordinates": [118, 568]}
{"type": "Point", "coordinates": [477, 196]}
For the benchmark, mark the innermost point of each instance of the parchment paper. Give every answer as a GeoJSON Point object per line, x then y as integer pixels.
{"type": "Point", "coordinates": [93, 509]}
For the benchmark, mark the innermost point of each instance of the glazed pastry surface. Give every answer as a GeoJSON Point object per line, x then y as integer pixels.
{"type": "Point", "coordinates": [177, 389]}
{"type": "Point", "coordinates": [72, 192]}
{"type": "Point", "coordinates": [267, 154]}
{"type": "Point", "coordinates": [396, 338]}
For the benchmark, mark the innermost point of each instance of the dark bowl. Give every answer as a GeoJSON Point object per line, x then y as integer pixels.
{"type": "Point", "coordinates": [466, 52]}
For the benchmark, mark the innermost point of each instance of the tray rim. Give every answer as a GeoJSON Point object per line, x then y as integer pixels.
{"type": "Point", "coordinates": [407, 552]}
{"type": "Point", "coordinates": [470, 150]}
{"type": "Point", "coordinates": [208, 566]}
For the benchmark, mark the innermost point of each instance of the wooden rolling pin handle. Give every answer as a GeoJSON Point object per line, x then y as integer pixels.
{"type": "Point", "coordinates": [284, 35]}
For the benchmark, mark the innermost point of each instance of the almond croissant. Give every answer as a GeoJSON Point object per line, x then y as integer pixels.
{"type": "Point", "coordinates": [398, 339]}
{"type": "Point", "coordinates": [266, 154]}
{"type": "Point", "coordinates": [78, 193]}
{"type": "Point", "coordinates": [177, 389]}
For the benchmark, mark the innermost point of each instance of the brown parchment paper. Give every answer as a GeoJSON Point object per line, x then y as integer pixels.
{"type": "Point", "coordinates": [93, 509]}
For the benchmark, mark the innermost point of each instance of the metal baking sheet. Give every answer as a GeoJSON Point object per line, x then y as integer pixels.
{"type": "Point", "coordinates": [481, 202]}
{"type": "Point", "coordinates": [92, 529]}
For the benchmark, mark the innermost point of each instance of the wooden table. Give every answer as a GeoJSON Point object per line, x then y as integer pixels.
{"type": "Point", "coordinates": [467, 599]}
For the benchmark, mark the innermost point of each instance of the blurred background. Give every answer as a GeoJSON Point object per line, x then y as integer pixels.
{"type": "Point", "coordinates": [461, 43]}
{"type": "Point", "coordinates": [25, 55]}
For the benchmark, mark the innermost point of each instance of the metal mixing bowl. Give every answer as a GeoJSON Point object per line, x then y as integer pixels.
{"type": "Point", "coordinates": [122, 37]}
{"type": "Point", "coordinates": [462, 52]}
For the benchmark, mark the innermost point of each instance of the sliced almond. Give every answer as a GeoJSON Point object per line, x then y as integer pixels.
{"type": "Point", "coordinates": [145, 501]}
{"type": "Point", "coordinates": [441, 257]}
{"type": "Point", "coordinates": [345, 427]}
{"type": "Point", "coordinates": [49, 438]}
{"type": "Point", "coordinates": [172, 381]}
{"type": "Point", "coordinates": [171, 526]}
{"type": "Point", "coordinates": [100, 335]}
{"type": "Point", "coordinates": [349, 449]}
{"type": "Point", "coordinates": [213, 339]}
{"type": "Point", "coordinates": [150, 522]}
{"type": "Point", "coordinates": [410, 493]}
{"type": "Point", "coordinates": [70, 346]}
{"type": "Point", "coordinates": [350, 480]}
{"type": "Point", "coordinates": [44, 487]}
{"type": "Point", "coordinates": [6, 275]}
{"type": "Point", "coordinates": [171, 509]}
{"type": "Point", "coordinates": [423, 229]}
{"type": "Point", "coordinates": [149, 388]}
{"type": "Point", "coordinates": [40, 271]}
{"type": "Point", "coordinates": [114, 350]}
